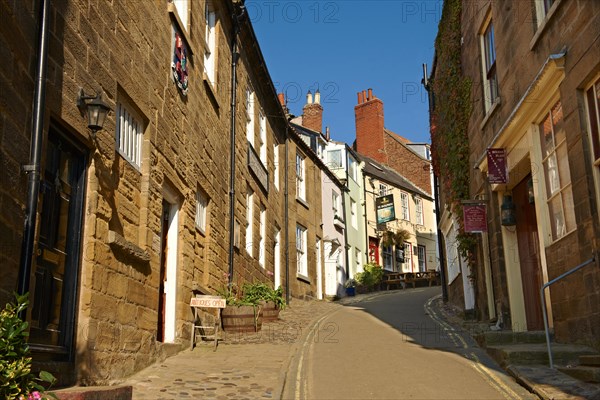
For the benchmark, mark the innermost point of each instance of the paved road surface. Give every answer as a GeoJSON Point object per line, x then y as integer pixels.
{"type": "Point", "coordinates": [394, 346]}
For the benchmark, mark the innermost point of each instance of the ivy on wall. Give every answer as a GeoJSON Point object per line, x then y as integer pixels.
{"type": "Point", "coordinates": [450, 120]}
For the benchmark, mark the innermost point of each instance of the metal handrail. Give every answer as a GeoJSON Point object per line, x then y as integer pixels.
{"type": "Point", "coordinates": [544, 308]}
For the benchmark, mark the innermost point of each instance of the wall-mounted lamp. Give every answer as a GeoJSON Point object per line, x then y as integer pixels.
{"type": "Point", "coordinates": [507, 211]}
{"type": "Point", "coordinates": [96, 110]}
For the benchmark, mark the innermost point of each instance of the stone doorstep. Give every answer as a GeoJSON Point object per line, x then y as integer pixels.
{"type": "Point", "coordinates": [583, 373]}
{"type": "Point", "coordinates": [95, 393]}
{"type": "Point", "coordinates": [492, 338]}
{"type": "Point", "coordinates": [590, 360]}
{"type": "Point", "coordinates": [552, 384]}
{"type": "Point", "coordinates": [536, 353]}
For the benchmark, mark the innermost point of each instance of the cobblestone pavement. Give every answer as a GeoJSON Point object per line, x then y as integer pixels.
{"type": "Point", "coordinates": [245, 365]}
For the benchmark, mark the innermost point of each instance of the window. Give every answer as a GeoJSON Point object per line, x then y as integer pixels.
{"type": "Point", "coordinates": [262, 145]}
{"type": "Point", "coordinates": [250, 116]}
{"type": "Point", "coordinates": [388, 260]}
{"type": "Point", "coordinates": [422, 261]}
{"type": "Point", "coordinates": [334, 159]}
{"type": "Point", "coordinates": [593, 108]}
{"type": "Point", "coordinates": [182, 10]}
{"type": "Point", "coordinates": [542, 7]}
{"type": "Point", "coordinates": [129, 135]}
{"type": "Point", "coordinates": [557, 173]}
{"type": "Point", "coordinates": [490, 80]}
{"type": "Point", "coordinates": [404, 206]}
{"type": "Point", "coordinates": [353, 212]}
{"type": "Point", "coordinates": [300, 177]}
{"type": "Point", "coordinates": [383, 190]}
{"type": "Point", "coordinates": [276, 165]}
{"type": "Point", "coordinates": [263, 234]}
{"type": "Point", "coordinates": [335, 201]}
{"type": "Point", "coordinates": [249, 212]}
{"type": "Point", "coordinates": [201, 206]}
{"type": "Point", "coordinates": [352, 168]}
{"type": "Point", "coordinates": [211, 41]}
{"type": "Point", "coordinates": [407, 255]}
{"type": "Point", "coordinates": [357, 259]}
{"type": "Point", "coordinates": [419, 210]}
{"type": "Point", "coordinates": [301, 259]}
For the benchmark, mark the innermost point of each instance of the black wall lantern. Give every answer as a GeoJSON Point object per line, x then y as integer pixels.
{"type": "Point", "coordinates": [96, 110]}
{"type": "Point", "coordinates": [507, 211]}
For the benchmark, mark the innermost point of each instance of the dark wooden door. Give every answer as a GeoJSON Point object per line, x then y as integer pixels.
{"type": "Point", "coordinates": [56, 269]}
{"type": "Point", "coordinates": [529, 257]}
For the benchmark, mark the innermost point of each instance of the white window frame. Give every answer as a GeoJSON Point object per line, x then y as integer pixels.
{"type": "Point", "coordinates": [250, 116]}
{"type": "Point", "coordinates": [383, 189]}
{"type": "Point", "coordinates": [489, 72]}
{"type": "Point", "coordinates": [183, 11]}
{"type": "Point", "coordinates": [262, 137]}
{"type": "Point", "coordinates": [557, 174]}
{"type": "Point", "coordinates": [210, 65]}
{"type": "Point", "coordinates": [301, 255]}
{"type": "Point", "coordinates": [542, 9]}
{"type": "Point", "coordinates": [276, 172]}
{"type": "Point", "coordinates": [353, 214]}
{"type": "Point", "coordinates": [334, 162]}
{"type": "Point", "coordinates": [419, 210]}
{"type": "Point", "coordinates": [249, 221]}
{"type": "Point", "coordinates": [404, 206]}
{"type": "Point", "coordinates": [129, 134]}
{"type": "Point", "coordinates": [263, 236]}
{"type": "Point", "coordinates": [422, 256]}
{"type": "Point", "coordinates": [408, 254]}
{"type": "Point", "coordinates": [300, 177]}
{"type": "Point", "coordinates": [335, 203]}
{"type": "Point", "coordinates": [592, 101]}
{"type": "Point", "coordinates": [352, 166]}
{"type": "Point", "coordinates": [387, 257]}
{"type": "Point", "coordinates": [357, 259]}
{"type": "Point", "coordinates": [201, 211]}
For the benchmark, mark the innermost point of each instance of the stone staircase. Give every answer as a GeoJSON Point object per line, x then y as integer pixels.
{"type": "Point", "coordinates": [588, 369]}
{"type": "Point", "coordinates": [529, 348]}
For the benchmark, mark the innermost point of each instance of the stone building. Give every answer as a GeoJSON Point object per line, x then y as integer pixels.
{"type": "Point", "coordinates": [131, 220]}
{"type": "Point", "coordinates": [533, 68]}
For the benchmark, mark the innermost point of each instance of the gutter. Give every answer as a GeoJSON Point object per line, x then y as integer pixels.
{"type": "Point", "coordinates": [33, 168]}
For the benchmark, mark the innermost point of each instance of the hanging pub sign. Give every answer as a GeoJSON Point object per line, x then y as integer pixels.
{"type": "Point", "coordinates": [180, 63]}
{"type": "Point", "coordinates": [400, 255]}
{"type": "Point", "coordinates": [475, 218]}
{"type": "Point", "coordinates": [496, 159]}
{"type": "Point", "coordinates": [385, 209]}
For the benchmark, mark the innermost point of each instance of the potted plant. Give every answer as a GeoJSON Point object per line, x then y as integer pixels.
{"type": "Point", "coordinates": [241, 314]}
{"type": "Point", "coordinates": [271, 300]}
{"type": "Point", "coordinates": [350, 286]}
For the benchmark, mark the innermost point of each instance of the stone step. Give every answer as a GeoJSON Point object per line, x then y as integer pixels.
{"type": "Point", "coordinates": [537, 353]}
{"type": "Point", "coordinates": [95, 393]}
{"type": "Point", "coordinates": [590, 360]}
{"type": "Point", "coordinates": [583, 373]}
{"type": "Point", "coordinates": [492, 338]}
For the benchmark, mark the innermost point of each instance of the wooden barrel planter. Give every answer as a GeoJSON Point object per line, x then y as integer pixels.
{"type": "Point", "coordinates": [241, 318]}
{"type": "Point", "coordinates": [270, 311]}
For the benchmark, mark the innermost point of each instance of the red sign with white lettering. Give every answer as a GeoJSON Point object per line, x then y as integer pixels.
{"type": "Point", "coordinates": [475, 218]}
{"type": "Point", "coordinates": [496, 159]}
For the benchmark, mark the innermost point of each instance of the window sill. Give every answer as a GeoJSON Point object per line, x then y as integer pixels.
{"type": "Point", "coordinates": [133, 165]}
{"type": "Point", "coordinates": [490, 112]}
{"type": "Point", "coordinates": [212, 92]}
{"type": "Point", "coordinates": [303, 278]}
{"type": "Point", "coordinates": [201, 231]}
{"type": "Point", "coordinates": [543, 25]}
{"type": "Point", "coordinates": [303, 202]}
{"type": "Point", "coordinates": [183, 30]}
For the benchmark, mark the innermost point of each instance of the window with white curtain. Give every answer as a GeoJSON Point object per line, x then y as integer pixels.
{"type": "Point", "coordinates": [211, 40]}
{"type": "Point", "coordinates": [129, 134]}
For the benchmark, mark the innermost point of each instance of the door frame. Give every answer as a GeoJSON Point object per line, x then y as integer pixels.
{"type": "Point", "coordinates": [171, 264]}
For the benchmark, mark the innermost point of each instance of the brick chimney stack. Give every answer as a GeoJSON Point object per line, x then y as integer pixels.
{"type": "Point", "coordinates": [312, 117]}
{"type": "Point", "coordinates": [368, 115]}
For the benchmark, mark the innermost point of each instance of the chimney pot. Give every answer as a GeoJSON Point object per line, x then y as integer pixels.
{"type": "Point", "coordinates": [281, 98]}
{"type": "Point", "coordinates": [327, 136]}
{"type": "Point", "coordinates": [317, 97]}
{"type": "Point", "coordinates": [370, 94]}
{"type": "Point", "coordinates": [309, 98]}
{"type": "Point", "coordinates": [359, 99]}
{"type": "Point", "coordinates": [364, 95]}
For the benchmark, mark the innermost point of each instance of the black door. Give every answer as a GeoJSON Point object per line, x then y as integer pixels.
{"type": "Point", "coordinates": [56, 270]}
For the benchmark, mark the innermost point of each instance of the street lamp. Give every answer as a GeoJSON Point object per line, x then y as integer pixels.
{"type": "Point", "coordinates": [96, 110]}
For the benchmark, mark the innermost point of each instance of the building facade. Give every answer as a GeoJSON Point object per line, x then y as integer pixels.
{"type": "Point", "coordinates": [534, 100]}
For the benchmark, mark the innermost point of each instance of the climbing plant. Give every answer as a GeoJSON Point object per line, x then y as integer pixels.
{"type": "Point", "coordinates": [450, 120]}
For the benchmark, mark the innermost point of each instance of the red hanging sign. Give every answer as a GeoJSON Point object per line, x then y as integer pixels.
{"type": "Point", "coordinates": [497, 172]}
{"type": "Point", "coordinates": [475, 218]}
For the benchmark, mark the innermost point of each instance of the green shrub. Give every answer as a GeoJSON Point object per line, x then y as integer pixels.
{"type": "Point", "coordinates": [370, 277]}
{"type": "Point", "coordinates": [16, 379]}
{"type": "Point", "coordinates": [254, 293]}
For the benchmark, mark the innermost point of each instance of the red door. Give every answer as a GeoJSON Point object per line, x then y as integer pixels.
{"type": "Point", "coordinates": [529, 257]}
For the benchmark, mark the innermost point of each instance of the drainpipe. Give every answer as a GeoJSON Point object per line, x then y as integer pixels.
{"type": "Point", "coordinates": [33, 168]}
{"type": "Point", "coordinates": [235, 55]}
{"type": "Point", "coordinates": [286, 218]}
{"type": "Point", "coordinates": [366, 220]}
{"type": "Point", "coordinates": [346, 217]}
{"type": "Point", "coordinates": [436, 194]}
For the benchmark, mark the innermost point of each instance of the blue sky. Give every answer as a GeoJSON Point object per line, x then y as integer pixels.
{"type": "Point", "coordinates": [343, 47]}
